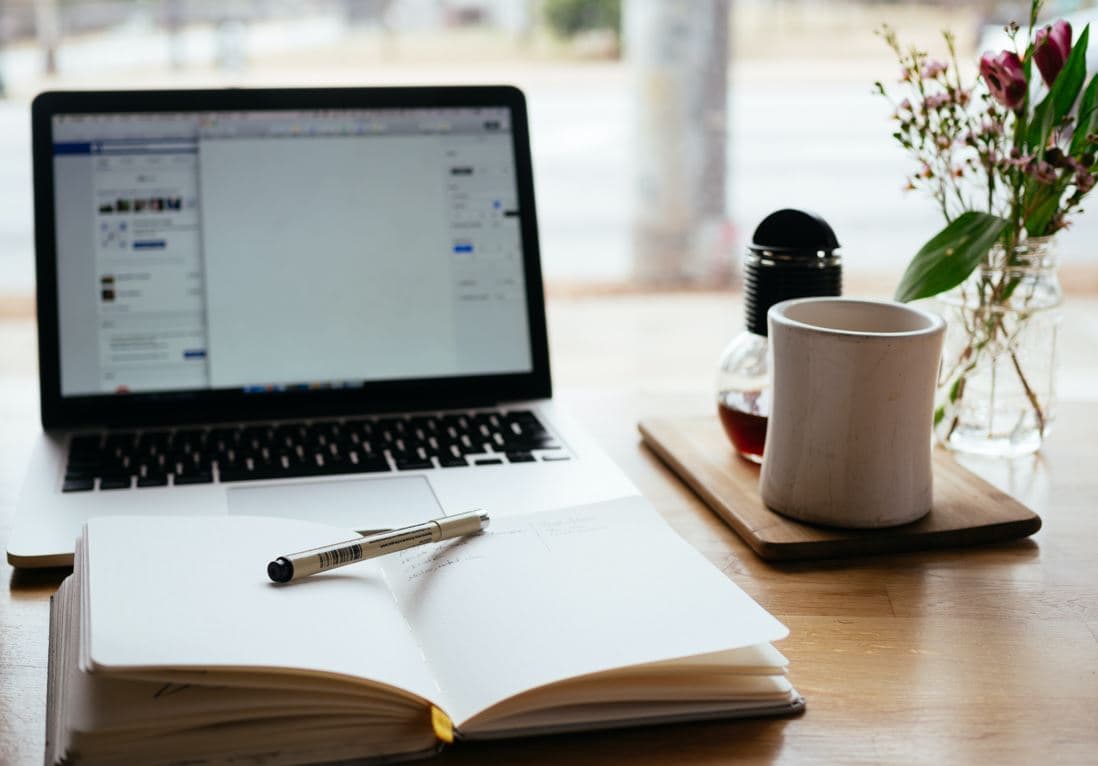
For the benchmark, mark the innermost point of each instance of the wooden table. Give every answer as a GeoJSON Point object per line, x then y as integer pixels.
{"type": "Point", "coordinates": [984, 655]}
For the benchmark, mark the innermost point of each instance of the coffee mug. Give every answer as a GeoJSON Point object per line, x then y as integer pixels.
{"type": "Point", "coordinates": [848, 442]}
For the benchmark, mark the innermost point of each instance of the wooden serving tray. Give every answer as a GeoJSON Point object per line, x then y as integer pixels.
{"type": "Point", "coordinates": [967, 510]}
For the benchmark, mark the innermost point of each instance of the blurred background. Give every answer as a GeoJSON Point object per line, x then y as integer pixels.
{"type": "Point", "coordinates": [662, 131]}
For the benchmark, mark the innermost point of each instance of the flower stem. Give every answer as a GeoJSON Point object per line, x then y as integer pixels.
{"type": "Point", "coordinates": [1029, 393]}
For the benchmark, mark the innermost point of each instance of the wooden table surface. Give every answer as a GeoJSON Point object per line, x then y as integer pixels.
{"type": "Point", "coordinates": [980, 655]}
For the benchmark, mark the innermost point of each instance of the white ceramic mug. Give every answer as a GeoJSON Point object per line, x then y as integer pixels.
{"type": "Point", "coordinates": [848, 442]}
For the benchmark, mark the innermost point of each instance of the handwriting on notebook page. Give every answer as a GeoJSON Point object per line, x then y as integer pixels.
{"type": "Point", "coordinates": [507, 538]}
{"type": "Point", "coordinates": [419, 562]}
{"type": "Point", "coordinates": [572, 525]}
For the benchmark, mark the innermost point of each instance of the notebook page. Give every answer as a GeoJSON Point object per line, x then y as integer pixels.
{"type": "Point", "coordinates": [542, 597]}
{"type": "Point", "coordinates": [192, 592]}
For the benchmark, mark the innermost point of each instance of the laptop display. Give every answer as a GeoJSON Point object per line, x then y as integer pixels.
{"type": "Point", "coordinates": [274, 250]}
{"type": "Point", "coordinates": [295, 248]}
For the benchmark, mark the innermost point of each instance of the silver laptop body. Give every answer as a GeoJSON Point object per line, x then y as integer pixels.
{"type": "Point", "coordinates": [318, 303]}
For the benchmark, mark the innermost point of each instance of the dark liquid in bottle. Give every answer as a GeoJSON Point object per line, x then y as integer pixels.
{"type": "Point", "coordinates": [746, 430]}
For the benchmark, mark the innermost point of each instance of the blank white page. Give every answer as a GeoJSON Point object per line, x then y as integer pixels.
{"type": "Point", "coordinates": [193, 592]}
{"type": "Point", "coordinates": [543, 597]}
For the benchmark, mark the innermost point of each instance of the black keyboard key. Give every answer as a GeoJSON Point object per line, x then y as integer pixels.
{"type": "Point", "coordinates": [367, 464]}
{"type": "Point", "coordinates": [367, 447]}
{"type": "Point", "coordinates": [91, 467]}
{"type": "Point", "coordinates": [412, 464]}
{"type": "Point", "coordinates": [452, 462]}
{"type": "Point", "coordinates": [488, 461]}
{"type": "Point", "coordinates": [324, 466]}
{"type": "Point", "coordinates": [203, 477]}
{"type": "Point", "coordinates": [113, 471]}
{"type": "Point", "coordinates": [79, 474]}
{"type": "Point", "coordinates": [531, 441]}
{"type": "Point", "coordinates": [152, 481]}
{"type": "Point", "coordinates": [115, 482]}
{"type": "Point", "coordinates": [78, 485]}
{"type": "Point", "coordinates": [520, 457]}
{"type": "Point", "coordinates": [243, 473]}
{"type": "Point", "coordinates": [452, 450]}
{"type": "Point", "coordinates": [193, 463]}
{"type": "Point", "coordinates": [234, 474]}
{"type": "Point", "coordinates": [544, 444]}
{"type": "Point", "coordinates": [86, 456]}
{"type": "Point", "coordinates": [553, 458]}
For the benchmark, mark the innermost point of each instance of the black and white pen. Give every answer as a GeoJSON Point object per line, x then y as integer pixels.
{"type": "Point", "coordinates": [294, 566]}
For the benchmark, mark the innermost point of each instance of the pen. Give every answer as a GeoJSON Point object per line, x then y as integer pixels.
{"type": "Point", "coordinates": [294, 566]}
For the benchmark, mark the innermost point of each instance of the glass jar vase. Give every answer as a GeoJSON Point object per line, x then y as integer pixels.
{"type": "Point", "coordinates": [997, 386]}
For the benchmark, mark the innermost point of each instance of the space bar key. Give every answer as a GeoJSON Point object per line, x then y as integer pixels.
{"type": "Point", "coordinates": [241, 474]}
{"type": "Point", "coordinates": [303, 470]}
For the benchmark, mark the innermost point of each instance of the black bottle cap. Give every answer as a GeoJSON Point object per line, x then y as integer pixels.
{"type": "Point", "coordinates": [793, 254]}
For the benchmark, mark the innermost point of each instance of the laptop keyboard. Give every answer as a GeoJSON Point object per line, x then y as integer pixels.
{"type": "Point", "coordinates": [158, 458]}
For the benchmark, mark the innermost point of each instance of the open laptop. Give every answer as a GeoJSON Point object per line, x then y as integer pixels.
{"type": "Point", "coordinates": [318, 303]}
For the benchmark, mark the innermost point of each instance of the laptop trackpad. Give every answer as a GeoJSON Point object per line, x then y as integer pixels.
{"type": "Point", "coordinates": [359, 504]}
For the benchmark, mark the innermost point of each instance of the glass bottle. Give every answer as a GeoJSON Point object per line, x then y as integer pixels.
{"type": "Point", "coordinates": [743, 393]}
{"type": "Point", "coordinates": [997, 387]}
{"type": "Point", "coordinates": [793, 254]}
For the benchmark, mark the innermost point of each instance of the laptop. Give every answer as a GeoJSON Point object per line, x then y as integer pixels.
{"type": "Point", "coordinates": [313, 303]}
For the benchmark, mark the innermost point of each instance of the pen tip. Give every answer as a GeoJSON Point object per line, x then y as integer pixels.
{"type": "Point", "coordinates": [484, 520]}
{"type": "Point", "coordinates": [280, 570]}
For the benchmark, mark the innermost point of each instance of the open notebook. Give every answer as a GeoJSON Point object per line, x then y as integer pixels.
{"type": "Point", "coordinates": [169, 643]}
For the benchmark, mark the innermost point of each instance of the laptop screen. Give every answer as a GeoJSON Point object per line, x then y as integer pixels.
{"type": "Point", "coordinates": [264, 251]}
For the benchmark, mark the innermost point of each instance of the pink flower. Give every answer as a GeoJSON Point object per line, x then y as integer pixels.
{"type": "Point", "coordinates": [1042, 171]}
{"type": "Point", "coordinates": [932, 69]}
{"type": "Point", "coordinates": [1084, 179]}
{"type": "Point", "coordinates": [1004, 77]}
{"type": "Point", "coordinates": [1020, 161]}
{"type": "Point", "coordinates": [1045, 173]}
{"type": "Point", "coordinates": [1051, 47]}
{"type": "Point", "coordinates": [991, 128]}
{"type": "Point", "coordinates": [936, 101]}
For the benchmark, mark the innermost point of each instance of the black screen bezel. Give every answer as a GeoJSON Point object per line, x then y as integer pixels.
{"type": "Point", "coordinates": [230, 405]}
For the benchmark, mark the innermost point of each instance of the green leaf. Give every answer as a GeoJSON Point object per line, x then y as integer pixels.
{"type": "Point", "coordinates": [1066, 87]}
{"type": "Point", "coordinates": [1041, 203]}
{"type": "Point", "coordinates": [947, 259]}
{"type": "Point", "coordinates": [955, 389]}
{"type": "Point", "coordinates": [1041, 126]}
{"type": "Point", "coordinates": [1088, 119]}
{"type": "Point", "coordinates": [1061, 97]}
